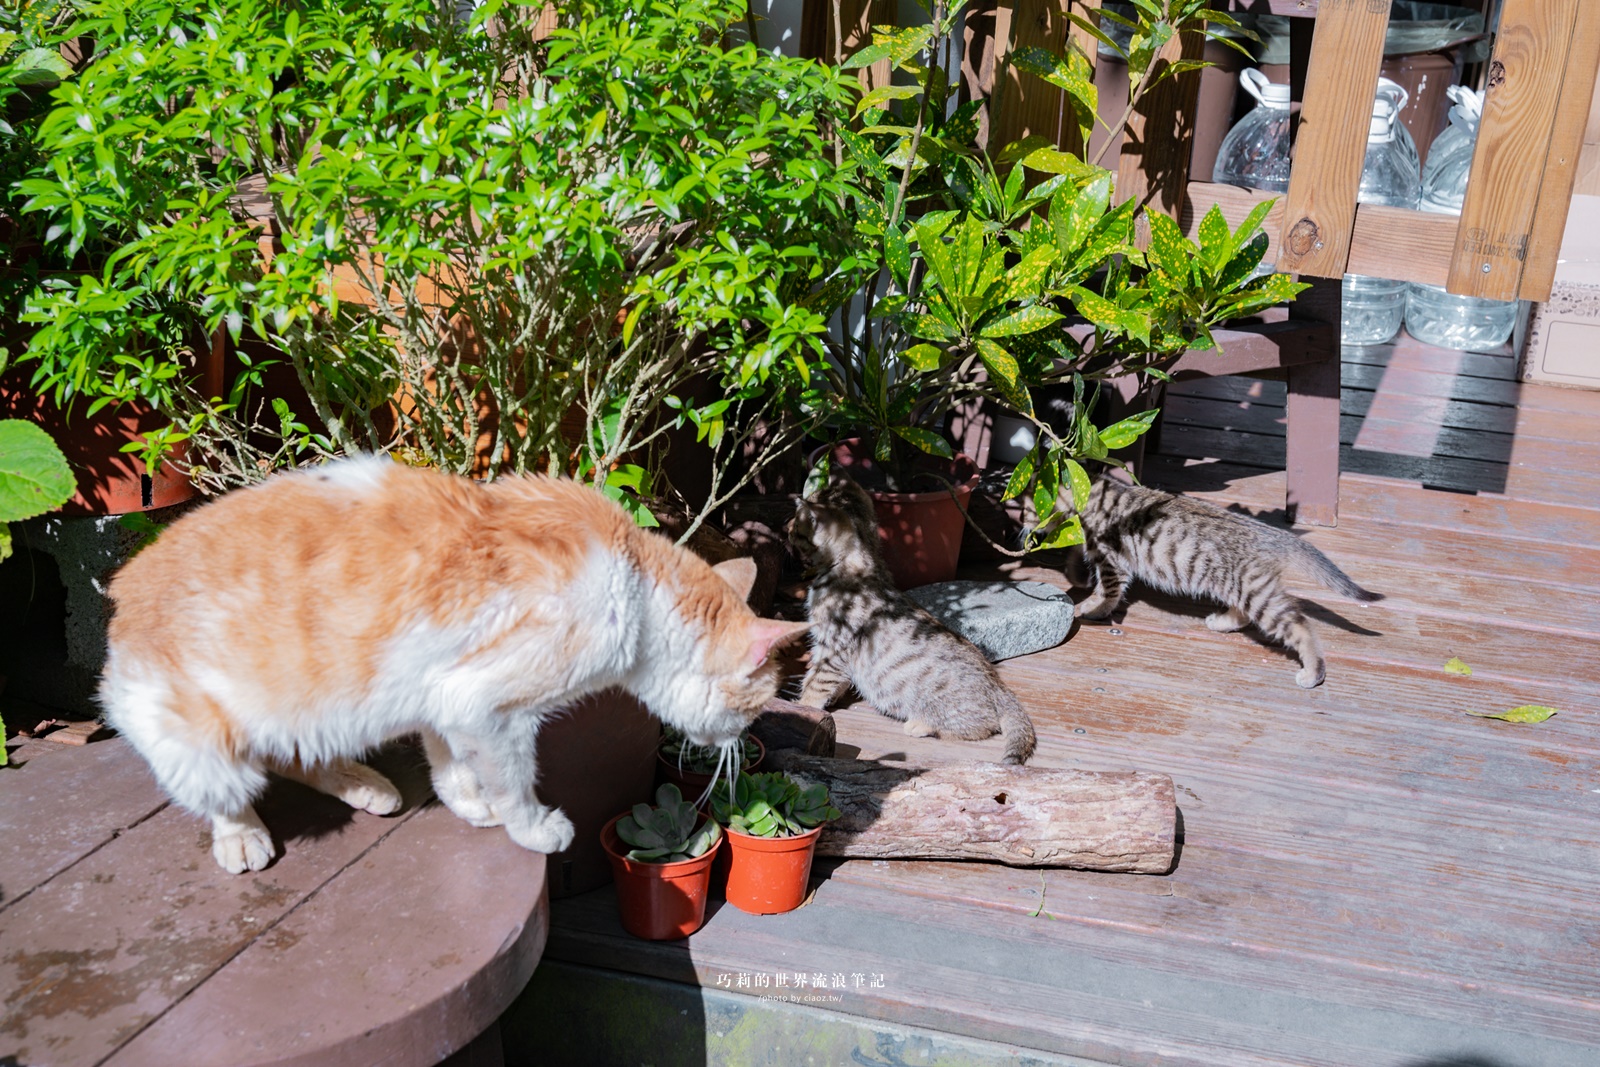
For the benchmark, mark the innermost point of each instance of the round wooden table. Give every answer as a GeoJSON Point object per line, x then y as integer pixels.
{"type": "Point", "coordinates": [394, 940]}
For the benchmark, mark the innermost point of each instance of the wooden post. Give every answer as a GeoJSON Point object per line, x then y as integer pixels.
{"type": "Point", "coordinates": [1312, 424]}
{"type": "Point", "coordinates": [1561, 167]}
{"type": "Point", "coordinates": [1525, 78]}
{"type": "Point", "coordinates": [1341, 77]}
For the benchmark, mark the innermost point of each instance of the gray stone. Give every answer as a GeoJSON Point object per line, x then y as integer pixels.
{"type": "Point", "coordinates": [1004, 619]}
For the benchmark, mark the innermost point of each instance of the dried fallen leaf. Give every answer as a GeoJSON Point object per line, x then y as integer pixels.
{"type": "Point", "coordinates": [1525, 713]}
{"type": "Point", "coordinates": [1456, 666]}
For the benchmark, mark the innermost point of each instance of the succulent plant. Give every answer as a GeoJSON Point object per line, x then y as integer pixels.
{"type": "Point", "coordinates": [771, 805]}
{"type": "Point", "coordinates": [666, 833]}
{"type": "Point", "coordinates": [702, 759]}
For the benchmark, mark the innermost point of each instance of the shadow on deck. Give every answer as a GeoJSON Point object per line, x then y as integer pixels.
{"type": "Point", "coordinates": [1370, 875]}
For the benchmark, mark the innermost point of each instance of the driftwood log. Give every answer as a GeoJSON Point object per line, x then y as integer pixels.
{"type": "Point", "coordinates": [1021, 816]}
{"type": "Point", "coordinates": [785, 724]}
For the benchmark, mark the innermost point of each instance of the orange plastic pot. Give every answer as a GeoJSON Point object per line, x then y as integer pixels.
{"type": "Point", "coordinates": [692, 783]}
{"type": "Point", "coordinates": [768, 875]}
{"type": "Point", "coordinates": [658, 901]}
{"type": "Point", "coordinates": [921, 532]}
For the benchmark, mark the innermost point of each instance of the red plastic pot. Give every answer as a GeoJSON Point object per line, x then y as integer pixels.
{"type": "Point", "coordinates": [768, 875]}
{"type": "Point", "coordinates": [658, 901]}
{"type": "Point", "coordinates": [921, 532]}
{"type": "Point", "coordinates": [692, 783]}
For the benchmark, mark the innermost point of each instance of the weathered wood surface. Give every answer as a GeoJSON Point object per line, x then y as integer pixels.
{"type": "Point", "coordinates": [370, 940]}
{"type": "Point", "coordinates": [1369, 876]}
{"type": "Point", "coordinates": [1122, 821]}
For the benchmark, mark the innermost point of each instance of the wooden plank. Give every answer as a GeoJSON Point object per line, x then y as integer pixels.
{"type": "Point", "coordinates": [409, 999]}
{"type": "Point", "coordinates": [1561, 166]}
{"type": "Point", "coordinates": [1514, 138]}
{"type": "Point", "coordinates": [1023, 105]}
{"type": "Point", "coordinates": [1332, 140]}
{"type": "Point", "coordinates": [1153, 170]}
{"type": "Point", "coordinates": [819, 40]}
{"type": "Point", "coordinates": [1223, 403]}
{"type": "Point", "coordinates": [62, 805]}
{"type": "Point", "coordinates": [1412, 246]}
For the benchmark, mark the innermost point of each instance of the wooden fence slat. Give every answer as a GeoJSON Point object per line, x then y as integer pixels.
{"type": "Point", "coordinates": [1340, 80]}
{"type": "Point", "coordinates": [1561, 167]}
{"type": "Point", "coordinates": [1153, 170]}
{"type": "Point", "coordinates": [1525, 82]}
{"type": "Point", "coordinates": [1024, 105]}
{"type": "Point", "coordinates": [858, 16]}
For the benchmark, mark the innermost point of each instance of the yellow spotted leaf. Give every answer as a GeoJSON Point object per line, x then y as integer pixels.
{"type": "Point", "coordinates": [1456, 666]}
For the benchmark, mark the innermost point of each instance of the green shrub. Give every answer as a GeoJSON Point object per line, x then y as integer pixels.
{"type": "Point", "coordinates": [499, 229]}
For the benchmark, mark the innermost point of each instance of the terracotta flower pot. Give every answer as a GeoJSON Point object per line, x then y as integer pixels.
{"type": "Point", "coordinates": [658, 901]}
{"type": "Point", "coordinates": [692, 784]}
{"type": "Point", "coordinates": [109, 480]}
{"type": "Point", "coordinates": [768, 875]}
{"type": "Point", "coordinates": [921, 531]}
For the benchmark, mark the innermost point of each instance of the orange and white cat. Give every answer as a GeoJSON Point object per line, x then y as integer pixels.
{"type": "Point", "coordinates": [298, 624]}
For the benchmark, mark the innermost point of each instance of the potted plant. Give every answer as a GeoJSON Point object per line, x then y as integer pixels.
{"type": "Point", "coordinates": [692, 767]}
{"type": "Point", "coordinates": [984, 273]}
{"type": "Point", "coordinates": [773, 825]}
{"type": "Point", "coordinates": [636, 267]}
{"type": "Point", "coordinates": [661, 863]}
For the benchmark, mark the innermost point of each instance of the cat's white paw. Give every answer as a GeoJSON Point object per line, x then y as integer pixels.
{"type": "Point", "coordinates": [1225, 622]}
{"type": "Point", "coordinates": [1093, 611]}
{"type": "Point", "coordinates": [547, 832]}
{"type": "Point", "coordinates": [458, 789]}
{"type": "Point", "coordinates": [363, 788]}
{"type": "Point", "coordinates": [247, 848]}
{"type": "Point", "coordinates": [1309, 677]}
{"type": "Point", "coordinates": [917, 728]}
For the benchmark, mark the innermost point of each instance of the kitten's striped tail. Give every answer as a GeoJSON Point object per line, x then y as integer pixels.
{"type": "Point", "coordinates": [1323, 569]}
{"type": "Point", "coordinates": [1016, 728]}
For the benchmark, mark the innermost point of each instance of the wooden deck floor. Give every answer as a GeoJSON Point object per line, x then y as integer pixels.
{"type": "Point", "coordinates": [1369, 874]}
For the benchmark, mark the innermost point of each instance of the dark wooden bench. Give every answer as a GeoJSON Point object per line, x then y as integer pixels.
{"type": "Point", "coordinates": [370, 940]}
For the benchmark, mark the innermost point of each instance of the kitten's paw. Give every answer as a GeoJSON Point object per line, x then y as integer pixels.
{"type": "Point", "coordinates": [1309, 677]}
{"type": "Point", "coordinates": [917, 728]}
{"type": "Point", "coordinates": [547, 832]}
{"type": "Point", "coordinates": [248, 848]}
{"type": "Point", "coordinates": [1225, 622]}
{"type": "Point", "coordinates": [1094, 612]}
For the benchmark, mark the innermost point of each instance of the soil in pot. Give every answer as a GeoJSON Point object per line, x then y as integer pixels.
{"type": "Point", "coordinates": [658, 901]}
{"type": "Point", "coordinates": [921, 529]}
{"type": "Point", "coordinates": [768, 875]}
{"type": "Point", "coordinates": [694, 784]}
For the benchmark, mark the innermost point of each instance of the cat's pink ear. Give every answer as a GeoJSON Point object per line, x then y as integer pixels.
{"type": "Point", "coordinates": [768, 634]}
{"type": "Point", "coordinates": [740, 574]}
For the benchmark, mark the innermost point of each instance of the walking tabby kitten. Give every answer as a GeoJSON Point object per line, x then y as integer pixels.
{"type": "Point", "coordinates": [295, 625]}
{"type": "Point", "coordinates": [866, 633]}
{"type": "Point", "coordinates": [1194, 548]}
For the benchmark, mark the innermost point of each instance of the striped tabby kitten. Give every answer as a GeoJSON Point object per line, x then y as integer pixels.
{"type": "Point", "coordinates": [1197, 549]}
{"type": "Point", "coordinates": [866, 633]}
